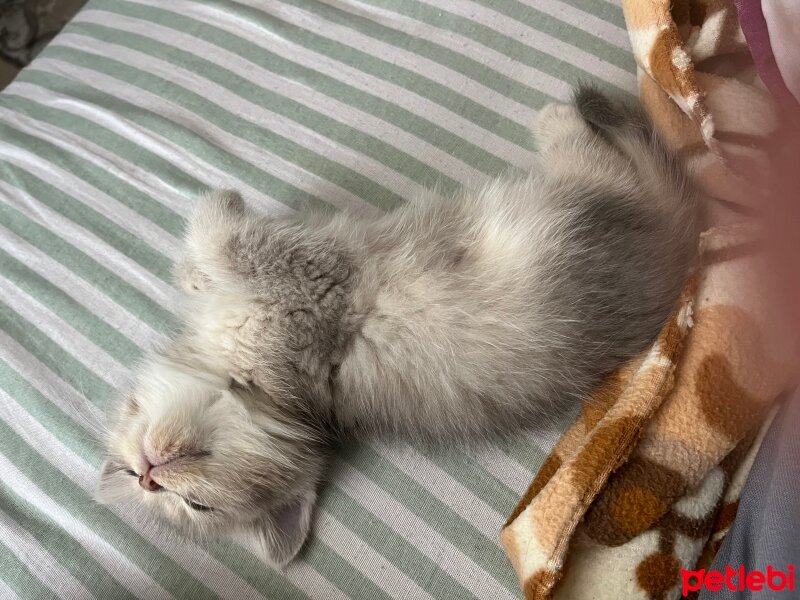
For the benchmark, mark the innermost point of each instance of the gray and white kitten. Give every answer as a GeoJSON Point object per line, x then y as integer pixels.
{"type": "Point", "coordinates": [446, 319]}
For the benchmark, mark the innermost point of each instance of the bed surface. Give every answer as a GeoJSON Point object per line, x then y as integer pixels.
{"type": "Point", "coordinates": [106, 139]}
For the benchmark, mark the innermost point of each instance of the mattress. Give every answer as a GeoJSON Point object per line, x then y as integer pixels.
{"type": "Point", "coordinates": [105, 141]}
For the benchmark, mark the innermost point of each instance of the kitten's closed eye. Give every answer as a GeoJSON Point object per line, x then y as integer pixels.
{"type": "Point", "coordinates": [193, 505]}
{"type": "Point", "coordinates": [196, 506]}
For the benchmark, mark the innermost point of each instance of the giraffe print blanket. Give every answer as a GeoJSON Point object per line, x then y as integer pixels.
{"type": "Point", "coordinates": [645, 482]}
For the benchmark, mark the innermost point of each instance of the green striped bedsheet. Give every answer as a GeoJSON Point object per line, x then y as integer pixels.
{"type": "Point", "coordinates": [104, 142]}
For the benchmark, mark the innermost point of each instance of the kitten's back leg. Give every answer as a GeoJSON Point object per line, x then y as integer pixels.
{"type": "Point", "coordinates": [555, 123]}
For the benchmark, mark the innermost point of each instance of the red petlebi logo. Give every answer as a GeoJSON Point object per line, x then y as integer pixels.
{"type": "Point", "coordinates": [738, 579]}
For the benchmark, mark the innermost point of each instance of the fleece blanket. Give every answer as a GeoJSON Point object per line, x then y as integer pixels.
{"type": "Point", "coordinates": [106, 139]}
{"type": "Point", "coordinates": [645, 482]}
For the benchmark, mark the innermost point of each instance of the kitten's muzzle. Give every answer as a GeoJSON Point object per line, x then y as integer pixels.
{"type": "Point", "coordinates": [147, 482]}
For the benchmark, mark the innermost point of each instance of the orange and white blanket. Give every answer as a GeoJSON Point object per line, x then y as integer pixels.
{"type": "Point", "coordinates": [646, 481]}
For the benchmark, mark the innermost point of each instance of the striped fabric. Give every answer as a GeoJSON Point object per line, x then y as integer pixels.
{"type": "Point", "coordinates": [105, 140]}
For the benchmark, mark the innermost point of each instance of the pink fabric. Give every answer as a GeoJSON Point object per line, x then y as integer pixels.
{"type": "Point", "coordinates": [757, 33]}
{"type": "Point", "coordinates": [783, 22]}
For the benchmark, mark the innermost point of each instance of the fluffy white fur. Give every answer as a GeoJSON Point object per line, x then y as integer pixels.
{"type": "Point", "coordinates": [455, 318]}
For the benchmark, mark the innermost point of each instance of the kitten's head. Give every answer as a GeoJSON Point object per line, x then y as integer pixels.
{"type": "Point", "coordinates": [206, 457]}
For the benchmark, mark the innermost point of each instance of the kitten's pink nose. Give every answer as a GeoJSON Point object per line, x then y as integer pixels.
{"type": "Point", "coordinates": [147, 482]}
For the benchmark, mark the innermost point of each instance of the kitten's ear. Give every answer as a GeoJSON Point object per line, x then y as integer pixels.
{"type": "Point", "coordinates": [281, 532]}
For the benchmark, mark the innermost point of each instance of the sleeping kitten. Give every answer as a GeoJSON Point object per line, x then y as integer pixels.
{"type": "Point", "coordinates": [446, 319]}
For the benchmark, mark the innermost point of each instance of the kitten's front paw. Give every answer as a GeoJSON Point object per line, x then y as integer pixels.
{"type": "Point", "coordinates": [191, 279]}
{"type": "Point", "coordinates": [556, 122]}
{"type": "Point", "coordinates": [218, 215]}
{"type": "Point", "coordinates": [216, 209]}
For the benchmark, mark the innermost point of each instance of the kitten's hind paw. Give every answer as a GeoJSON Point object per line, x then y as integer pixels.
{"type": "Point", "coordinates": [556, 122]}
